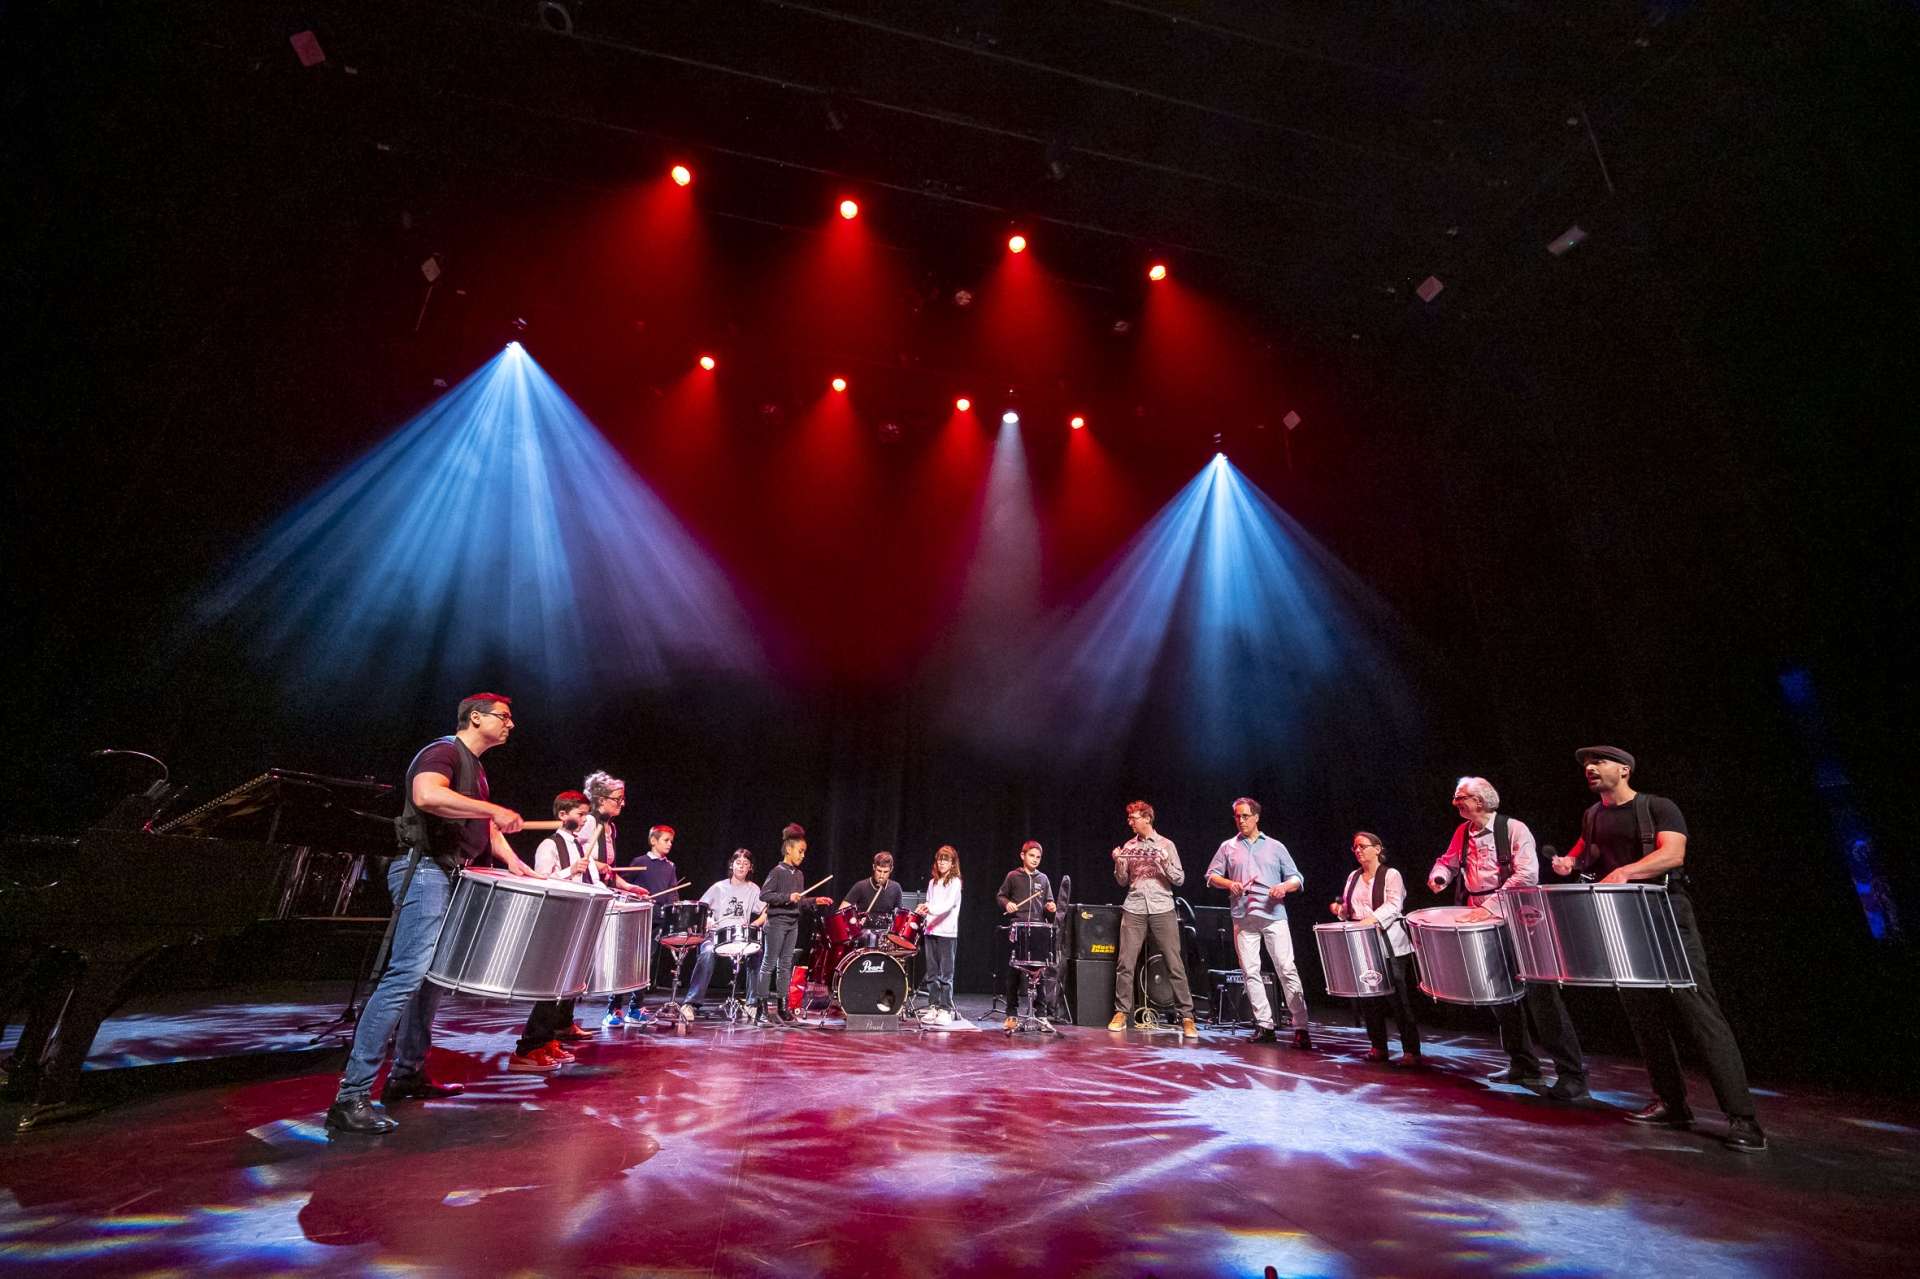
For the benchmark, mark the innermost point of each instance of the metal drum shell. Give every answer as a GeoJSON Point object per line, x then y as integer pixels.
{"type": "Point", "coordinates": [511, 937]}
{"type": "Point", "coordinates": [1353, 955]}
{"type": "Point", "coordinates": [867, 977]}
{"type": "Point", "coordinates": [623, 952]}
{"type": "Point", "coordinates": [1463, 963]}
{"type": "Point", "coordinates": [1620, 935]}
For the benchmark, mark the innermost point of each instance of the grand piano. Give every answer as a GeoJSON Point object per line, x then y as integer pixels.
{"type": "Point", "coordinates": [83, 917]}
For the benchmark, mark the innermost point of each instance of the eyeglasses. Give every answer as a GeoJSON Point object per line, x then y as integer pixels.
{"type": "Point", "coordinates": [505, 717]}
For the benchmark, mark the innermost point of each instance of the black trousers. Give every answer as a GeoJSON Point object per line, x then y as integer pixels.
{"type": "Point", "coordinates": [1660, 1017]}
{"type": "Point", "coordinates": [1400, 1004]}
{"type": "Point", "coordinates": [544, 1023]}
{"type": "Point", "coordinates": [776, 964]}
{"type": "Point", "coordinates": [1046, 996]}
{"type": "Point", "coordinates": [1540, 1019]}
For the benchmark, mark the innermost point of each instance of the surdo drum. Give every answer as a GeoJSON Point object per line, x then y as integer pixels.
{"type": "Point", "coordinates": [623, 952]}
{"type": "Point", "coordinates": [1597, 935]}
{"type": "Point", "coordinates": [1354, 957]}
{"type": "Point", "coordinates": [511, 937]}
{"type": "Point", "coordinates": [1463, 962]}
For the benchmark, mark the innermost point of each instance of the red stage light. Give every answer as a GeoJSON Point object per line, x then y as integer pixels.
{"type": "Point", "coordinates": [1076, 421]}
{"type": "Point", "coordinates": [839, 384]}
{"type": "Point", "coordinates": [707, 362]}
{"type": "Point", "coordinates": [1017, 244]}
{"type": "Point", "coordinates": [963, 405]}
{"type": "Point", "coordinates": [849, 209]}
{"type": "Point", "coordinates": [681, 175]}
{"type": "Point", "coordinates": [1157, 272]}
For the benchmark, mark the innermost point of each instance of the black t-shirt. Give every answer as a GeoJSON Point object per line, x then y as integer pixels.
{"type": "Point", "coordinates": [1616, 834]}
{"type": "Point", "coordinates": [878, 904]}
{"type": "Point", "coordinates": [455, 843]}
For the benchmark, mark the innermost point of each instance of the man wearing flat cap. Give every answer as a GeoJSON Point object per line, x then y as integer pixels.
{"type": "Point", "coordinates": [1628, 837]}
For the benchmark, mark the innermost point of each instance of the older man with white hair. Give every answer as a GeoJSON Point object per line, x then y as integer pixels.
{"type": "Point", "coordinates": [1491, 851]}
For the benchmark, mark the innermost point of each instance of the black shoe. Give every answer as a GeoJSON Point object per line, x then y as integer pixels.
{"type": "Point", "coordinates": [1660, 1115]}
{"type": "Point", "coordinates": [359, 1114]}
{"type": "Point", "coordinates": [418, 1088]}
{"type": "Point", "coordinates": [1744, 1135]}
{"type": "Point", "coordinates": [1303, 1040]}
{"type": "Point", "coordinates": [1569, 1088]}
{"type": "Point", "coordinates": [787, 1015]}
{"type": "Point", "coordinates": [1264, 1035]}
{"type": "Point", "coordinates": [1518, 1074]}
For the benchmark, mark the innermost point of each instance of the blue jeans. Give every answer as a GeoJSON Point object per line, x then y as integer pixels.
{"type": "Point", "coordinates": [703, 973]}
{"type": "Point", "coordinates": [404, 1001]}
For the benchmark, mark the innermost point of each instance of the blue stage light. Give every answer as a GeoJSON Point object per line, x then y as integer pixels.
{"type": "Point", "coordinates": [495, 537]}
{"type": "Point", "coordinates": [1223, 608]}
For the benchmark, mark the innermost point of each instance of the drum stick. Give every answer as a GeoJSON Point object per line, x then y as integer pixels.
{"type": "Point", "coordinates": [808, 891]}
{"type": "Point", "coordinates": [1024, 900]}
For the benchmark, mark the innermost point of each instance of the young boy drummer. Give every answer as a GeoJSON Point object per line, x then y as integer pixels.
{"type": "Point", "coordinates": [1026, 897]}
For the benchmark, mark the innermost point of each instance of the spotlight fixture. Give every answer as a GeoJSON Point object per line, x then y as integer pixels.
{"type": "Point", "coordinates": [1016, 244]}
{"type": "Point", "coordinates": [1009, 418]}
{"type": "Point", "coordinates": [682, 176]}
{"type": "Point", "coordinates": [1157, 272]}
{"type": "Point", "coordinates": [707, 362]}
{"type": "Point", "coordinates": [963, 405]}
{"type": "Point", "coordinates": [1076, 421]}
{"type": "Point", "coordinates": [849, 209]}
{"type": "Point", "coordinates": [839, 384]}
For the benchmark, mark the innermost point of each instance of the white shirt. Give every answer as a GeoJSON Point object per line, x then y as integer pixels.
{"type": "Point", "coordinates": [943, 908]}
{"type": "Point", "coordinates": [1483, 862]}
{"type": "Point", "coordinates": [1393, 901]}
{"type": "Point", "coordinates": [558, 852]}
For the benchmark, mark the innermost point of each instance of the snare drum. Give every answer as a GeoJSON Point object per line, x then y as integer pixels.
{"type": "Point", "coordinates": [683, 923]}
{"type": "Point", "coordinates": [1460, 962]}
{"type": "Point", "coordinates": [1353, 955]}
{"type": "Point", "coordinates": [510, 937]}
{"type": "Point", "coordinates": [1597, 935]}
{"type": "Point", "coordinates": [736, 941]}
{"type": "Point", "coordinates": [904, 935]}
{"type": "Point", "coordinates": [623, 953]}
{"type": "Point", "coordinates": [872, 983]}
{"type": "Point", "coordinates": [1032, 945]}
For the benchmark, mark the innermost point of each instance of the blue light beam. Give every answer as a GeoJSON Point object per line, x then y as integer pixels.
{"type": "Point", "coordinates": [497, 531]}
{"type": "Point", "coordinates": [1253, 639]}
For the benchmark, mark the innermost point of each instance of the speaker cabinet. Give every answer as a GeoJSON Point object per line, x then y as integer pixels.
{"type": "Point", "coordinates": [1092, 991]}
{"type": "Point", "coordinates": [1096, 933]}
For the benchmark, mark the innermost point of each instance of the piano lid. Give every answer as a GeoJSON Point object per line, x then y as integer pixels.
{"type": "Point", "coordinates": [283, 806]}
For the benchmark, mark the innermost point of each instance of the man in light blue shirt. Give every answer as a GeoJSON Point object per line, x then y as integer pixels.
{"type": "Point", "coordinates": [1259, 874]}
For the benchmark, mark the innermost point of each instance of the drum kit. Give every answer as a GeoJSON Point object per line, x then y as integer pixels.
{"type": "Point", "coordinates": [1619, 935]}
{"type": "Point", "coordinates": [866, 965]}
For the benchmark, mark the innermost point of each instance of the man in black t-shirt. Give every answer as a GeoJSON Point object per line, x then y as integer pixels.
{"type": "Point", "coordinates": [1629, 837]}
{"type": "Point", "coordinates": [874, 900]}
{"type": "Point", "coordinates": [448, 822]}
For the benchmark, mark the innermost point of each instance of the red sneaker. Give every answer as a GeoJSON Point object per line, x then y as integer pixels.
{"type": "Point", "coordinates": [574, 1034]}
{"type": "Point", "coordinates": [534, 1063]}
{"type": "Point", "coordinates": [554, 1050]}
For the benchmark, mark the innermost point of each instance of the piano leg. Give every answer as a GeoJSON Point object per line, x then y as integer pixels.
{"type": "Point", "coordinates": [65, 1022]}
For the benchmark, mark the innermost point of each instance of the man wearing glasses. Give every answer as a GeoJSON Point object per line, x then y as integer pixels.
{"type": "Point", "coordinates": [447, 824]}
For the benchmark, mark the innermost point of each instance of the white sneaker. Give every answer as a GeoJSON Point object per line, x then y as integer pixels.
{"type": "Point", "coordinates": [1046, 1027]}
{"type": "Point", "coordinates": [688, 1012]}
{"type": "Point", "coordinates": [946, 1016]}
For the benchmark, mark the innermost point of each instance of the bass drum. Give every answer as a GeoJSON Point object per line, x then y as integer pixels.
{"type": "Point", "coordinates": [871, 982]}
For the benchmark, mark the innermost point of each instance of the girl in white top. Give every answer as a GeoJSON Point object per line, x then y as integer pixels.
{"type": "Point", "coordinates": [941, 912]}
{"type": "Point", "coordinates": [1376, 894]}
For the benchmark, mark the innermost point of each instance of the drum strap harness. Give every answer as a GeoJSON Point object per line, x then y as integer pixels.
{"type": "Point", "coordinates": [1502, 857]}
{"type": "Point", "coordinates": [1379, 893]}
{"type": "Point", "coordinates": [414, 834]}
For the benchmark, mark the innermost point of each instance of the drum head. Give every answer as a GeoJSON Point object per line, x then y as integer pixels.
{"type": "Point", "coordinates": [872, 982]}
{"type": "Point", "coordinates": [494, 877]}
{"type": "Point", "coordinates": [1450, 917]}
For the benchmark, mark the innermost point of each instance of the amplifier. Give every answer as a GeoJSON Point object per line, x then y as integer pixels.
{"type": "Point", "coordinates": [1096, 933]}
{"type": "Point", "coordinates": [1092, 992]}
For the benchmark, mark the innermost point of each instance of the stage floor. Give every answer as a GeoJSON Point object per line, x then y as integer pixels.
{"type": "Point", "coordinates": [710, 1150]}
